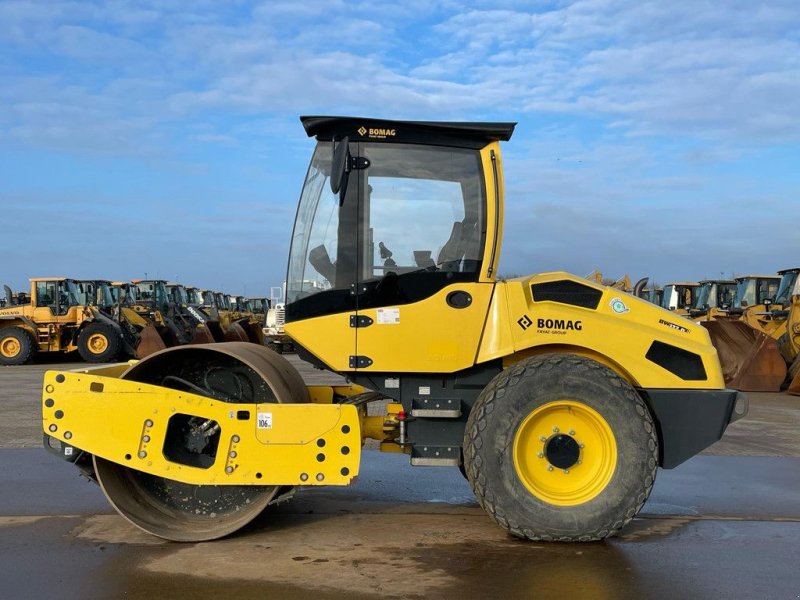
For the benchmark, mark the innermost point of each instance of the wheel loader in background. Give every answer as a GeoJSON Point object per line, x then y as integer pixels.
{"type": "Point", "coordinates": [56, 319]}
{"type": "Point", "coordinates": [750, 358]}
{"type": "Point", "coordinates": [679, 297]}
{"type": "Point", "coordinates": [199, 327]}
{"type": "Point", "coordinates": [783, 324]}
{"type": "Point", "coordinates": [557, 397]}
{"type": "Point", "coordinates": [714, 297]}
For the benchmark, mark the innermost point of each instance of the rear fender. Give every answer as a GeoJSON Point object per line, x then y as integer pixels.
{"type": "Point", "coordinates": [569, 349]}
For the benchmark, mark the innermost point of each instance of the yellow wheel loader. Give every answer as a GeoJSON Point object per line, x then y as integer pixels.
{"type": "Point", "coordinates": [558, 397]}
{"type": "Point", "coordinates": [784, 324]}
{"type": "Point", "coordinates": [56, 319]}
{"type": "Point", "coordinates": [714, 297]}
{"type": "Point", "coordinates": [745, 336]}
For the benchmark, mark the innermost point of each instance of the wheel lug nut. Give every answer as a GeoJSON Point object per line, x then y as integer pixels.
{"type": "Point", "coordinates": [540, 455]}
{"type": "Point", "coordinates": [572, 432]}
{"type": "Point", "coordinates": [549, 467]}
{"type": "Point", "coordinates": [580, 445]}
{"type": "Point", "coordinates": [566, 471]}
{"type": "Point", "coordinates": [580, 462]}
{"type": "Point", "coordinates": [555, 430]}
{"type": "Point", "coordinates": [542, 439]}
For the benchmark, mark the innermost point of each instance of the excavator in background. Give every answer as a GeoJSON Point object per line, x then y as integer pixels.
{"type": "Point", "coordinates": [557, 397]}
{"type": "Point", "coordinates": [714, 297]}
{"type": "Point", "coordinates": [750, 358]}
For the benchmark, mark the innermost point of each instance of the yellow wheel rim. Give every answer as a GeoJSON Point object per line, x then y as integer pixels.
{"type": "Point", "coordinates": [565, 453]}
{"type": "Point", "coordinates": [97, 343]}
{"type": "Point", "coordinates": [10, 347]}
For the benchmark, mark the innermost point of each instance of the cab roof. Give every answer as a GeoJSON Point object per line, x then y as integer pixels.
{"type": "Point", "coordinates": [445, 133]}
{"type": "Point", "coordinates": [741, 277]}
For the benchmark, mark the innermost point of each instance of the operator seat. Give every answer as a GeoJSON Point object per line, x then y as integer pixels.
{"type": "Point", "coordinates": [453, 250]}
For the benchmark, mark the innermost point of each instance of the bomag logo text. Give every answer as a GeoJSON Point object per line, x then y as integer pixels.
{"type": "Point", "coordinates": [558, 325]}
{"type": "Point", "coordinates": [377, 132]}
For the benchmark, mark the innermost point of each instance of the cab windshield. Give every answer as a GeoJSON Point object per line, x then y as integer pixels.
{"type": "Point", "coordinates": [178, 294]}
{"type": "Point", "coordinates": [411, 222]}
{"type": "Point", "coordinates": [105, 299]}
{"type": "Point", "coordinates": [789, 287]}
{"type": "Point", "coordinates": [745, 293]}
{"type": "Point", "coordinates": [703, 295]}
{"type": "Point", "coordinates": [69, 293]}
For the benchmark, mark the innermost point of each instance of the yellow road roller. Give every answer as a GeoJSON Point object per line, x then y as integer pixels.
{"type": "Point", "coordinates": [557, 397]}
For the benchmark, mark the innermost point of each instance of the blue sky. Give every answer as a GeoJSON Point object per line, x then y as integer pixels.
{"type": "Point", "coordinates": [658, 139]}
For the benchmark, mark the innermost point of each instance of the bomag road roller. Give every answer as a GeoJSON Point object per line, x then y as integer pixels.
{"type": "Point", "coordinates": [559, 398]}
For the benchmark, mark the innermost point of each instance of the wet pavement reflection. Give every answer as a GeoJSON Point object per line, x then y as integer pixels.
{"type": "Point", "coordinates": [715, 527]}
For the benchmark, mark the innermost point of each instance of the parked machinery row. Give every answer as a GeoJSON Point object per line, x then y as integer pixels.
{"type": "Point", "coordinates": [754, 323]}
{"type": "Point", "coordinates": [107, 320]}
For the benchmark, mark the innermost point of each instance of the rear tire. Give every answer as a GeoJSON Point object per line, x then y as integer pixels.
{"type": "Point", "coordinates": [17, 346]}
{"type": "Point", "coordinates": [560, 448]}
{"type": "Point", "coordinates": [98, 343]}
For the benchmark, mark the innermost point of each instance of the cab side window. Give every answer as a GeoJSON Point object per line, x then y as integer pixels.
{"type": "Point", "coordinates": [47, 296]}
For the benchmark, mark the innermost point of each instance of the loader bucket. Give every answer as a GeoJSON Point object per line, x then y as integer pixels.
{"type": "Point", "coordinates": [202, 335]}
{"type": "Point", "coordinates": [794, 377]}
{"type": "Point", "coordinates": [153, 338]}
{"type": "Point", "coordinates": [253, 331]}
{"type": "Point", "coordinates": [236, 333]}
{"type": "Point", "coordinates": [750, 359]}
{"type": "Point", "coordinates": [215, 329]}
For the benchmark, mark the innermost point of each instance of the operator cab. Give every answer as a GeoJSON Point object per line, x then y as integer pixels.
{"type": "Point", "coordinates": [59, 295]}
{"type": "Point", "coordinates": [390, 213]}
{"type": "Point", "coordinates": [789, 286]}
{"type": "Point", "coordinates": [752, 290]}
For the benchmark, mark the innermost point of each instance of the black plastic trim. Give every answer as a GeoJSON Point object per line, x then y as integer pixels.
{"type": "Point", "coordinates": [686, 365]}
{"type": "Point", "coordinates": [689, 421]}
{"type": "Point", "coordinates": [565, 291]}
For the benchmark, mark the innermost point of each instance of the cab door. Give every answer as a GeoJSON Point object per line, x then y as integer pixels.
{"type": "Point", "coordinates": [422, 290]}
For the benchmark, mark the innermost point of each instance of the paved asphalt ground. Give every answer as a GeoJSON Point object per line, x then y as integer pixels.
{"type": "Point", "coordinates": [725, 524]}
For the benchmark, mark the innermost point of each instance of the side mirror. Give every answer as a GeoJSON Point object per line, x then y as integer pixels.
{"type": "Point", "coordinates": [340, 168]}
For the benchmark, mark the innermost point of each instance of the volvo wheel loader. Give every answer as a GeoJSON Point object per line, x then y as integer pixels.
{"type": "Point", "coordinates": [56, 319]}
{"type": "Point", "coordinates": [558, 397]}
